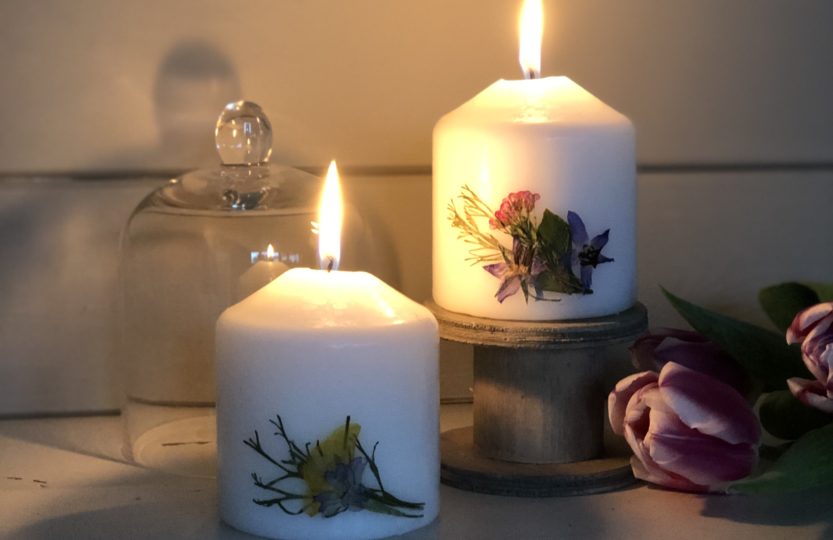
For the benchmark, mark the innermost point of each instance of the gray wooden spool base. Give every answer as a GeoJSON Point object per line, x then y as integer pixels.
{"type": "Point", "coordinates": [538, 405]}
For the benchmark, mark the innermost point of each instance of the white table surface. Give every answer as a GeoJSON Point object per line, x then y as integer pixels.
{"type": "Point", "coordinates": [65, 478]}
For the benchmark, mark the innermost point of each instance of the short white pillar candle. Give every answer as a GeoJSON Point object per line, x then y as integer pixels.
{"type": "Point", "coordinates": [298, 358]}
{"type": "Point", "coordinates": [327, 409]}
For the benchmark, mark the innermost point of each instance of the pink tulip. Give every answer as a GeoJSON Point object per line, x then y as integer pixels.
{"type": "Point", "coordinates": [813, 328]}
{"type": "Point", "coordinates": [655, 348]}
{"type": "Point", "coordinates": [688, 431]}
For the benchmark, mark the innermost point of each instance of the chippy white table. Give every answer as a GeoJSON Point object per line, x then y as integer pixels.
{"type": "Point", "coordinates": [64, 479]}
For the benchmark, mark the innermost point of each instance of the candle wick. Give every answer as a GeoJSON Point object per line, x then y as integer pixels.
{"type": "Point", "coordinates": [530, 73]}
{"type": "Point", "coordinates": [330, 263]}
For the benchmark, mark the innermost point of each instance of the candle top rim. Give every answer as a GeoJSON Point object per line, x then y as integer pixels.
{"type": "Point", "coordinates": [548, 100]}
{"type": "Point", "coordinates": [304, 299]}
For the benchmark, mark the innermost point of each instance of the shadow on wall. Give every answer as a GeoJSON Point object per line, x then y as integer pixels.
{"type": "Point", "coordinates": [194, 81]}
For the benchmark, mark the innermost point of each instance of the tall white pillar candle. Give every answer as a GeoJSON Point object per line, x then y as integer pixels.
{"type": "Point", "coordinates": [534, 200]}
{"type": "Point", "coordinates": [327, 408]}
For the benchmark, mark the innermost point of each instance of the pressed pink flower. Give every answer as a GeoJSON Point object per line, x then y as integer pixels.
{"type": "Point", "coordinates": [514, 208]}
{"type": "Point", "coordinates": [813, 328]}
{"type": "Point", "coordinates": [688, 431]}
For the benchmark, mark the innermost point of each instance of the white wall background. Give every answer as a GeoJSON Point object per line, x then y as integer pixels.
{"type": "Point", "coordinates": [731, 101]}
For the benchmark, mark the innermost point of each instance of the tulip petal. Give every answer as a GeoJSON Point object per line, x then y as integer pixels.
{"type": "Point", "coordinates": [708, 405]}
{"type": "Point", "coordinates": [827, 360]}
{"type": "Point", "coordinates": [618, 399]}
{"type": "Point", "coordinates": [657, 476]}
{"type": "Point", "coordinates": [705, 357]}
{"type": "Point", "coordinates": [636, 428]}
{"type": "Point", "coordinates": [814, 347]}
{"type": "Point", "coordinates": [636, 421]}
{"type": "Point", "coordinates": [812, 393]}
{"type": "Point", "coordinates": [806, 320]}
{"type": "Point", "coordinates": [702, 459]}
{"type": "Point", "coordinates": [643, 349]}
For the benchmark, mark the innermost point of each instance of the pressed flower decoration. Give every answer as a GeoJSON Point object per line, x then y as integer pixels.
{"type": "Point", "coordinates": [329, 475]}
{"type": "Point", "coordinates": [550, 256]}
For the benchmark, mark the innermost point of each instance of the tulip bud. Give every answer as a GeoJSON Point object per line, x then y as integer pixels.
{"type": "Point", "coordinates": [654, 349]}
{"type": "Point", "coordinates": [813, 328]}
{"type": "Point", "coordinates": [688, 431]}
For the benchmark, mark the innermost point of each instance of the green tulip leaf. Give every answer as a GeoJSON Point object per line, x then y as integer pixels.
{"type": "Point", "coordinates": [764, 355]}
{"type": "Point", "coordinates": [784, 301]}
{"type": "Point", "coordinates": [785, 417]}
{"type": "Point", "coordinates": [807, 464]}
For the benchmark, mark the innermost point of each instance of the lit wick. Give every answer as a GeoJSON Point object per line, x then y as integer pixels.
{"type": "Point", "coordinates": [530, 30]}
{"type": "Point", "coordinates": [330, 217]}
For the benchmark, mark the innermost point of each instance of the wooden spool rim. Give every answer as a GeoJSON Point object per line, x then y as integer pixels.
{"type": "Point", "coordinates": [463, 468]}
{"type": "Point", "coordinates": [609, 330]}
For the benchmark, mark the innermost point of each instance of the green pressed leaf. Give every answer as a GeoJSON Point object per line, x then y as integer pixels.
{"type": "Point", "coordinates": [785, 417]}
{"type": "Point", "coordinates": [765, 355]}
{"type": "Point", "coordinates": [783, 301]}
{"type": "Point", "coordinates": [560, 280]}
{"type": "Point", "coordinates": [807, 464]}
{"type": "Point", "coordinates": [554, 236]}
{"type": "Point", "coordinates": [381, 508]}
{"type": "Point", "coordinates": [554, 240]}
{"type": "Point", "coordinates": [823, 290]}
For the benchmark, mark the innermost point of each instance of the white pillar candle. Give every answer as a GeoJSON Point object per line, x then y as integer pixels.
{"type": "Point", "coordinates": [568, 158]}
{"type": "Point", "coordinates": [328, 403]}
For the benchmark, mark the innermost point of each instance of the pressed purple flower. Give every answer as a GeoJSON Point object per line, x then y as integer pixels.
{"type": "Point", "coordinates": [517, 274]}
{"type": "Point", "coordinates": [587, 253]}
{"type": "Point", "coordinates": [510, 281]}
{"type": "Point", "coordinates": [347, 491]}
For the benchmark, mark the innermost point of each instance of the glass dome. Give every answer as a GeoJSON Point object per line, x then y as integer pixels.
{"type": "Point", "coordinates": [191, 248]}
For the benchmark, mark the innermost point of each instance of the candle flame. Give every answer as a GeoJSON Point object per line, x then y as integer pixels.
{"type": "Point", "coordinates": [330, 216]}
{"type": "Point", "coordinates": [270, 252]}
{"type": "Point", "coordinates": [531, 28]}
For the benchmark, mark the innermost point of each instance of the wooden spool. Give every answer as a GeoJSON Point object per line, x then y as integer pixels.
{"type": "Point", "coordinates": [538, 399]}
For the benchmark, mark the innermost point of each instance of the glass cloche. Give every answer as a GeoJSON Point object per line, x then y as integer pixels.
{"type": "Point", "coordinates": [192, 248]}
